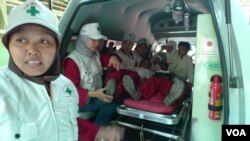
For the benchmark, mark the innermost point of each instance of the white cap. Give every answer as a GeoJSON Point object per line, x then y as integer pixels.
{"type": "Point", "coordinates": [31, 12]}
{"type": "Point", "coordinates": [93, 31]}
{"type": "Point", "coordinates": [129, 37]}
{"type": "Point", "coordinates": [142, 41]}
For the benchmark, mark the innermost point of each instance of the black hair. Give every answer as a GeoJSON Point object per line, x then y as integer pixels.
{"type": "Point", "coordinates": [185, 44]}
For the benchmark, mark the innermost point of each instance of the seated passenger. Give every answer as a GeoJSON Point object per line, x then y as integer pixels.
{"type": "Point", "coordinates": [169, 90]}
{"type": "Point", "coordinates": [103, 46]}
{"type": "Point", "coordinates": [163, 62]}
{"type": "Point", "coordinates": [156, 63]}
{"type": "Point", "coordinates": [184, 68]}
{"type": "Point", "coordinates": [142, 49]}
{"type": "Point", "coordinates": [172, 55]}
{"type": "Point", "coordinates": [129, 58]}
{"type": "Point", "coordinates": [136, 73]}
{"type": "Point", "coordinates": [106, 49]}
{"type": "Point", "coordinates": [82, 67]}
{"type": "Point", "coordinates": [111, 47]}
{"type": "Point", "coordinates": [144, 69]}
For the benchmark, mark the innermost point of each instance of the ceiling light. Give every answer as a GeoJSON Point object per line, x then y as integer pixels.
{"type": "Point", "coordinates": [178, 11]}
{"type": "Point", "coordinates": [178, 5]}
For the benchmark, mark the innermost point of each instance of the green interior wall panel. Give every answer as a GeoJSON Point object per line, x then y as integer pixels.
{"type": "Point", "coordinates": [207, 64]}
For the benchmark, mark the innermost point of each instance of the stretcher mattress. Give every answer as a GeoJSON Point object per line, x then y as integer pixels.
{"type": "Point", "coordinates": [154, 105]}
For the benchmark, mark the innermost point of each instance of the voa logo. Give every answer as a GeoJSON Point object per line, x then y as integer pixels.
{"type": "Point", "coordinates": [236, 132]}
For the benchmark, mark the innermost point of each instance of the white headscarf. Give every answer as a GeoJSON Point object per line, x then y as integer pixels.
{"type": "Point", "coordinates": [81, 46]}
{"type": "Point", "coordinates": [173, 56]}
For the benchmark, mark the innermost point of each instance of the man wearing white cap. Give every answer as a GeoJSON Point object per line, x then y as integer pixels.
{"type": "Point", "coordinates": [128, 58]}
{"type": "Point", "coordinates": [37, 102]}
{"type": "Point", "coordinates": [141, 49]}
{"type": "Point", "coordinates": [129, 61]}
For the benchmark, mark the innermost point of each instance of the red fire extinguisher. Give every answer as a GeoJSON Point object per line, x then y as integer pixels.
{"type": "Point", "coordinates": [215, 98]}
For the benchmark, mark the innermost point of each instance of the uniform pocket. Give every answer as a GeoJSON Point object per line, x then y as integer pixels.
{"type": "Point", "coordinates": [18, 131]}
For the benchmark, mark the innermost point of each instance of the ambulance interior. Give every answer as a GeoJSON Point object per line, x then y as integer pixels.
{"type": "Point", "coordinates": [209, 26]}
{"type": "Point", "coordinates": [218, 47]}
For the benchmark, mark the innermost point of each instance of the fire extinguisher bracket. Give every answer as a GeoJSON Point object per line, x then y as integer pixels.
{"type": "Point", "coordinates": [215, 108]}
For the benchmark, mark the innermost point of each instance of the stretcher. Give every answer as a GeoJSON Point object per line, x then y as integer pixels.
{"type": "Point", "coordinates": [153, 117]}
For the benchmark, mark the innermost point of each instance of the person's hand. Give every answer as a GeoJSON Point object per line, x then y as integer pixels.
{"type": "Point", "coordinates": [115, 62]}
{"type": "Point", "coordinates": [110, 133]}
{"type": "Point", "coordinates": [101, 95]}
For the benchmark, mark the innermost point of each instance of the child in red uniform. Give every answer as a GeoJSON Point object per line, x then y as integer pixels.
{"type": "Point", "coordinates": [168, 89]}
{"type": "Point", "coordinates": [136, 73]}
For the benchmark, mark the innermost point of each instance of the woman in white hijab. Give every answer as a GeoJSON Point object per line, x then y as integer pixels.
{"type": "Point", "coordinates": [172, 55]}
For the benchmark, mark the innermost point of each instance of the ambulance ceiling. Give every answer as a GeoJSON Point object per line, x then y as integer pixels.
{"type": "Point", "coordinates": [146, 18]}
